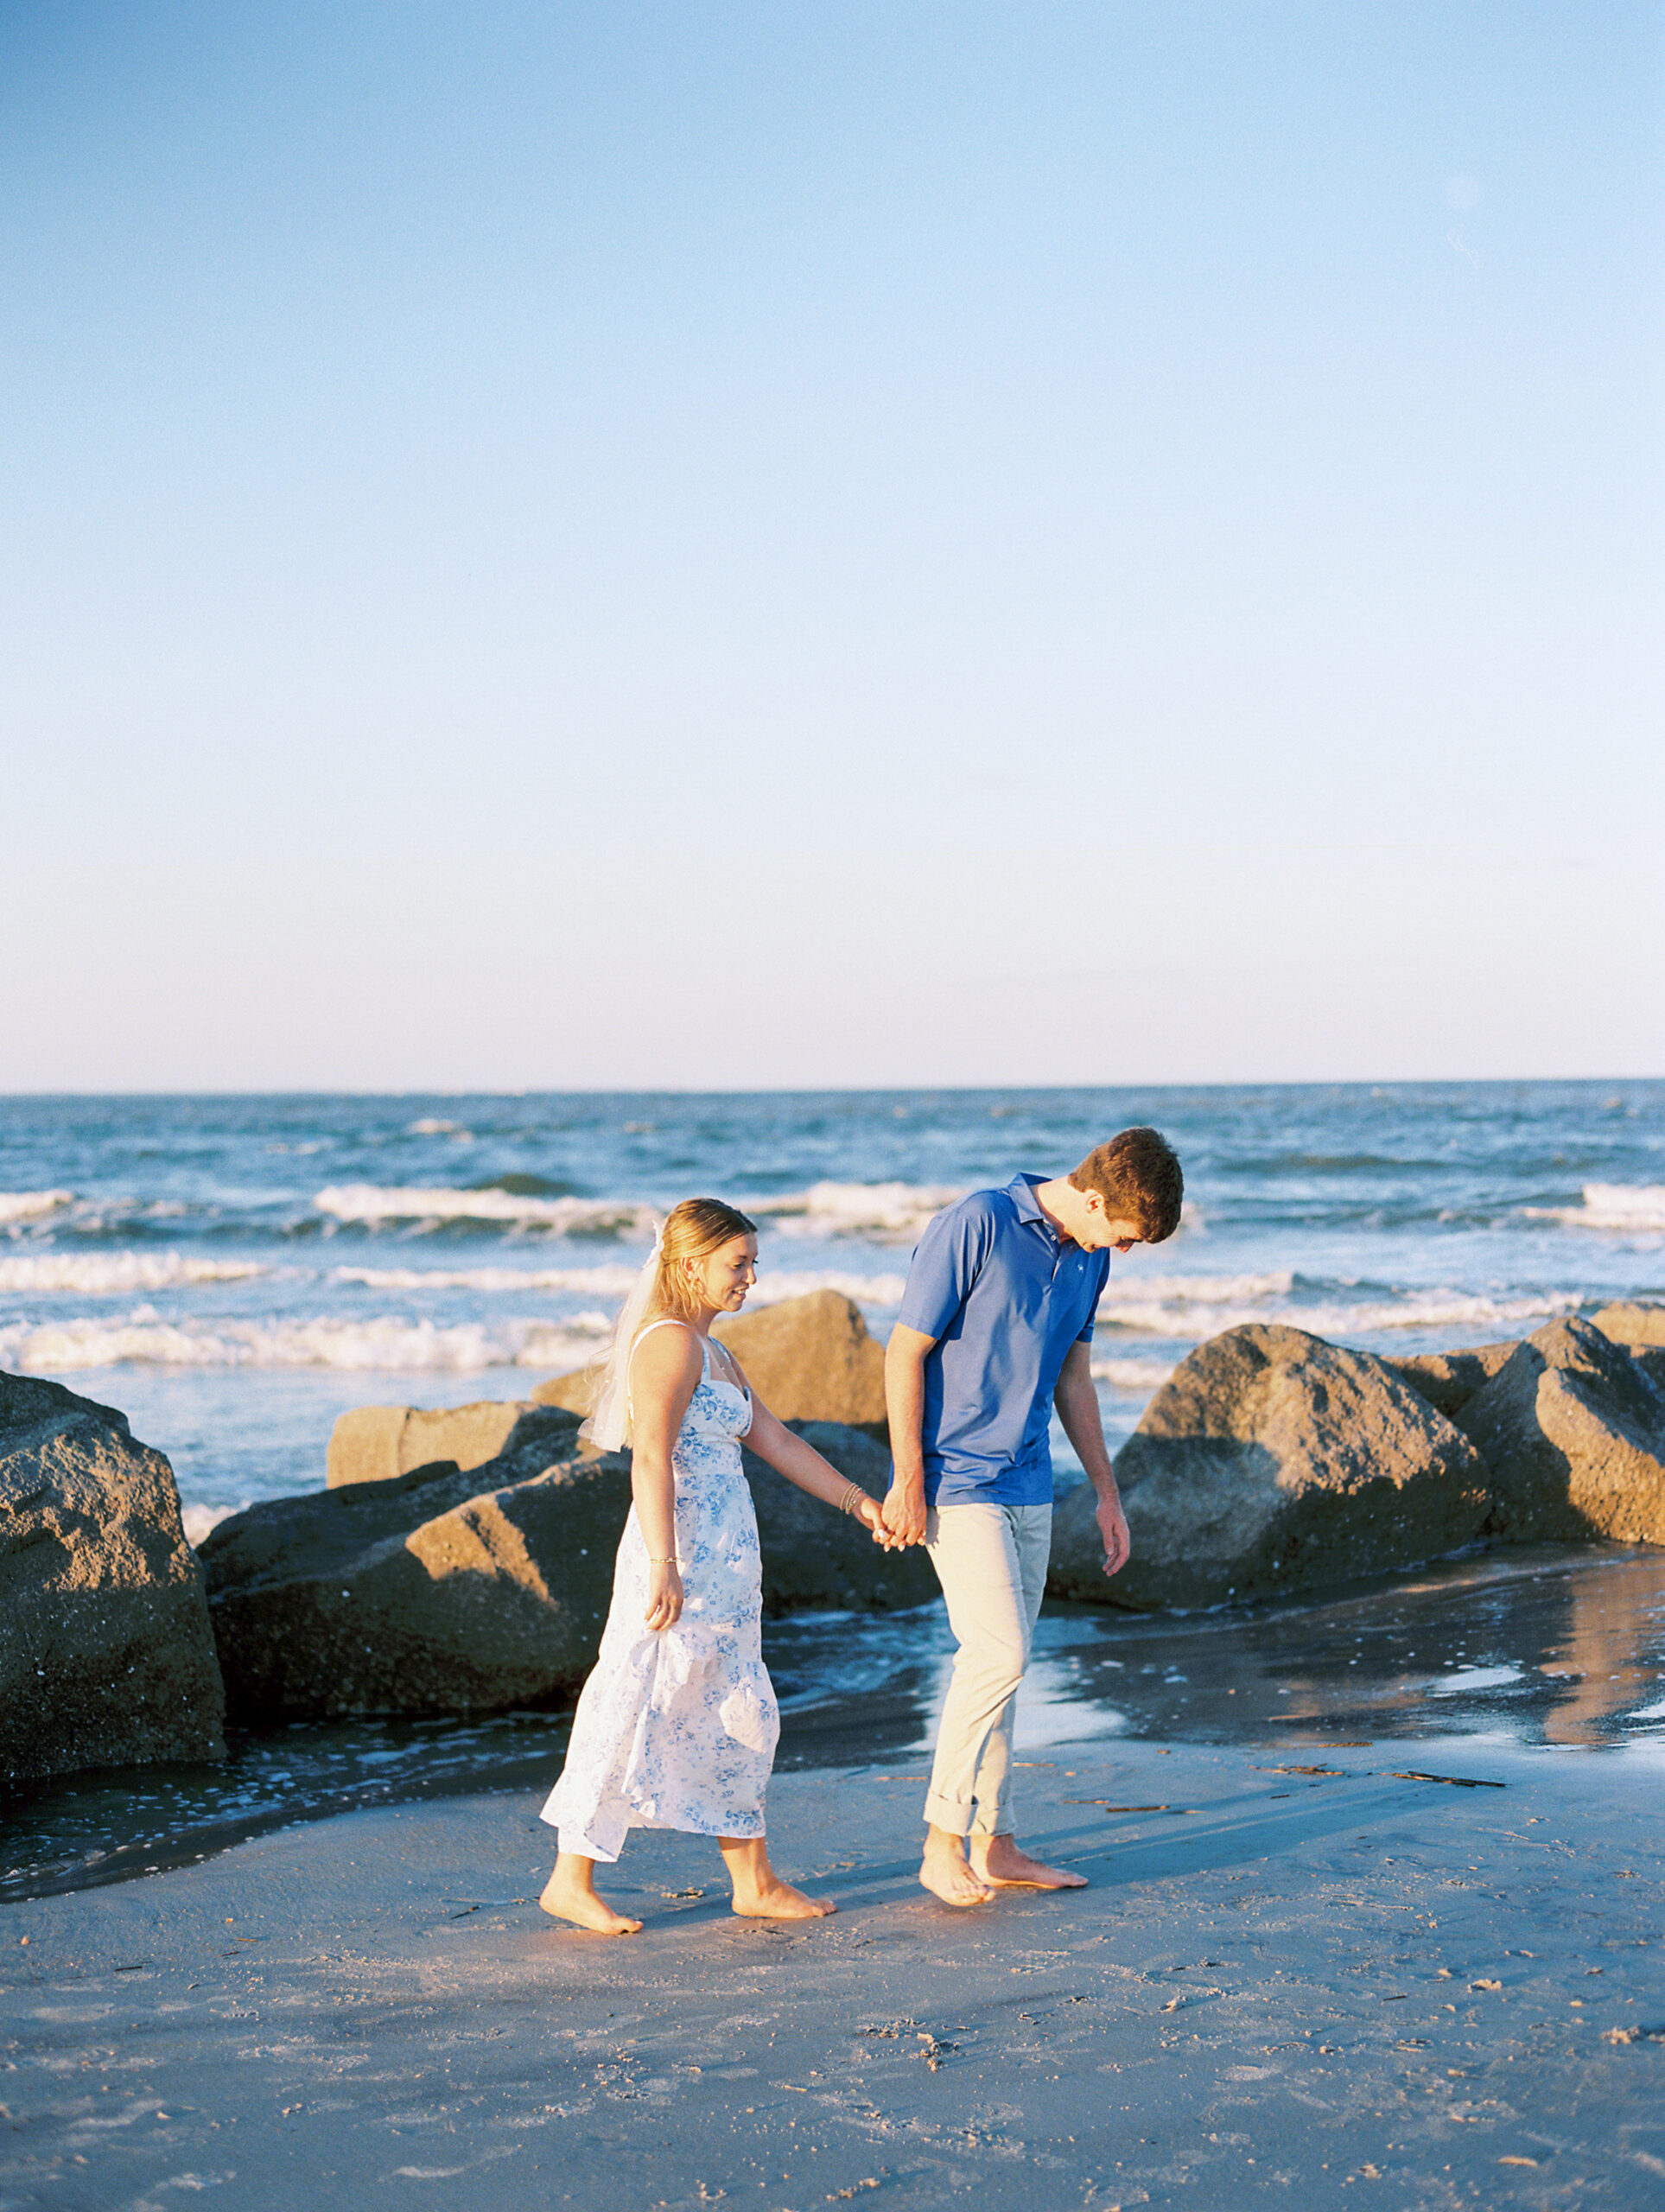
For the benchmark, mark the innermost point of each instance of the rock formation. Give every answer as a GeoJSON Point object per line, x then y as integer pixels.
{"type": "Point", "coordinates": [454, 1589]}
{"type": "Point", "coordinates": [1271, 1461]}
{"type": "Point", "coordinates": [445, 1590]}
{"type": "Point", "coordinates": [1633, 1321]}
{"type": "Point", "coordinates": [106, 1658]}
{"type": "Point", "coordinates": [372, 1444]}
{"type": "Point", "coordinates": [1449, 1379]}
{"type": "Point", "coordinates": [1640, 1327]}
{"type": "Point", "coordinates": [1572, 1431]}
{"type": "Point", "coordinates": [808, 1358]}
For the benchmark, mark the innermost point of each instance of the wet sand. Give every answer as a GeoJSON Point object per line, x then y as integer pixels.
{"type": "Point", "coordinates": [1542, 1644]}
{"type": "Point", "coordinates": [1281, 1986]}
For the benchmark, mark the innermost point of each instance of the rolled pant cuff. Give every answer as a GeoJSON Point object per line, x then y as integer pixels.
{"type": "Point", "coordinates": [965, 1820]}
{"type": "Point", "coordinates": [943, 1813]}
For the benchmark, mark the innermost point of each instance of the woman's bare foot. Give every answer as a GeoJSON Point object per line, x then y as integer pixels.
{"type": "Point", "coordinates": [996, 1859]}
{"type": "Point", "coordinates": [944, 1872]}
{"type": "Point", "coordinates": [780, 1901]}
{"type": "Point", "coordinates": [569, 1894]}
{"type": "Point", "coordinates": [759, 1893]}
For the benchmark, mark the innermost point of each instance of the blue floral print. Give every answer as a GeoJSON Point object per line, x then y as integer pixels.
{"type": "Point", "coordinates": [677, 1729]}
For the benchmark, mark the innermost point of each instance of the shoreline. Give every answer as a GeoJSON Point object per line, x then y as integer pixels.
{"type": "Point", "coordinates": [1280, 1983]}
{"type": "Point", "coordinates": [1555, 1645]}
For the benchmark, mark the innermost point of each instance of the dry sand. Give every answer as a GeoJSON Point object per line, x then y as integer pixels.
{"type": "Point", "coordinates": [1280, 1988]}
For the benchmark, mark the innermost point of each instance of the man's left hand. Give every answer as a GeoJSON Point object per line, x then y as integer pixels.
{"type": "Point", "coordinates": [1113, 1526]}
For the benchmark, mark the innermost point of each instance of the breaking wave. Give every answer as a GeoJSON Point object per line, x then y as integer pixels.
{"type": "Point", "coordinates": [369, 1202]}
{"type": "Point", "coordinates": [30, 1205]}
{"type": "Point", "coordinates": [1629, 1209]}
{"type": "Point", "coordinates": [1132, 1374]}
{"type": "Point", "coordinates": [615, 1281]}
{"type": "Point", "coordinates": [887, 1210]}
{"type": "Point", "coordinates": [113, 1273]}
{"type": "Point", "coordinates": [200, 1522]}
{"type": "Point", "coordinates": [1192, 1307]}
{"type": "Point", "coordinates": [385, 1342]}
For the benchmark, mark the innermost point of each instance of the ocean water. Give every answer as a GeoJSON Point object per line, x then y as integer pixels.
{"type": "Point", "coordinates": [234, 1272]}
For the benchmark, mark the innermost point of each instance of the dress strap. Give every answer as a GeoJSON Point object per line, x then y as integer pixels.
{"type": "Point", "coordinates": [666, 1321]}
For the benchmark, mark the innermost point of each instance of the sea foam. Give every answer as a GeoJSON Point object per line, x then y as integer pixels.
{"type": "Point", "coordinates": [1632, 1208]}
{"type": "Point", "coordinates": [30, 1205]}
{"type": "Point", "coordinates": [1131, 1376]}
{"type": "Point", "coordinates": [200, 1522]}
{"type": "Point", "coordinates": [615, 1281]}
{"type": "Point", "coordinates": [1194, 1308]}
{"type": "Point", "coordinates": [113, 1273]}
{"type": "Point", "coordinates": [392, 1342]}
{"type": "Point", "coordinates": [371, 1203]}
{"type": "Point", "coordinates": [886, 1210]}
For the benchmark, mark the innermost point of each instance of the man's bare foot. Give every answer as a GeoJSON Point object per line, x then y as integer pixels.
{"type": "Point", "coordinates": [997, 1859]}
{"type": "Point", "coordinates": [946, 1875]}
{"type": "Point", "coordinates": [567, 1899]}
{"type": "Point", "coordinates": [778, 1900]}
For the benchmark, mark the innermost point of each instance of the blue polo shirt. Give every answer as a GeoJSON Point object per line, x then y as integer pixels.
{"type": "Point", "coordinates": [1005, 1297]}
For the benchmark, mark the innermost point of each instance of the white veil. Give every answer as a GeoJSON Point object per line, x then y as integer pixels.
{"type": "Point", "coordinates": [609, 1426]}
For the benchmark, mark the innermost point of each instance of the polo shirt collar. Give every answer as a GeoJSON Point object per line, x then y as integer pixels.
{"type": "Point", "coordinates": [1022, 1189]}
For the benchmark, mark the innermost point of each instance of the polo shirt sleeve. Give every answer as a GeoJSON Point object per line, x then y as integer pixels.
{"type": "Point", "coordinates": [947, 1260]}
{"type": "Point", "coordinates": [1104, 1259]}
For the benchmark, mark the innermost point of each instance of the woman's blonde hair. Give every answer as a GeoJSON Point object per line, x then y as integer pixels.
{"type": "Point", "coordinates": [693, 1230]}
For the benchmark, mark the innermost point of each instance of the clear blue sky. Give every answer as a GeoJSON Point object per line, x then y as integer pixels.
{"type": "Point", "coordinates": [804, 543]}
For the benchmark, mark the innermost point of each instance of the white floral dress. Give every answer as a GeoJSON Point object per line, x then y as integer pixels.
{"type": "Point", "coordinates": [677, 1728]}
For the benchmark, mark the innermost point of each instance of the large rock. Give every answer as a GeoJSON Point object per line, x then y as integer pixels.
{"type": "Point", "coordinates": [1449, 1379]}
{"type": "Point", "coordinates": [1632, 1321]}
{"type": "Point", "coordinates": [812, 1359]}
{"type": "Point", "coordinates": [1640, 1327]}
{"type": "Point", "coordinates": [808, 1358]}
{"type": "Point", "coordinates": [1271, 1461]}
{"type": "Point", "coordinates": [372, 1444]}
{"type": "Point", "coordinates": [106, 1657]}
{"type": "Point", "coordinates": [453, 1590]}
{"type": "Point", "coordinates": [444, 1590]}
{"type": "Point", "coordinates": [1573, 1432]}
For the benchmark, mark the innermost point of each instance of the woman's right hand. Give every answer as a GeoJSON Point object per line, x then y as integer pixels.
{"type": "Point", "coordinates": [664, 1597]}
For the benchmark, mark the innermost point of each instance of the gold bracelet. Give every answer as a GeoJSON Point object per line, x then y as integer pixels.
{"type": "Point", "coordinates": [854, 1496]}
{"type": "Point", "coordinates": [671, 1561]}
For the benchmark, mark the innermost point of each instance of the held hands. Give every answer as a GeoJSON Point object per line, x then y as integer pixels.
{"type": "Point", "coordinates": [664, 1595]}
{"type": "Point", "coordinates": [870, 1512]}
{"type": "Point", "coordinates": [904, 1514]}
{"type": "Point", "coordinates": [1113, 1526]}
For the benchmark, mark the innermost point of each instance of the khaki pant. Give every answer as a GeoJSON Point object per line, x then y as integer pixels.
{"type": "Point", "coordinates": [991, 1562]}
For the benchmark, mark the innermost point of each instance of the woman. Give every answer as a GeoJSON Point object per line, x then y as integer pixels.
{"type": "Point", "coordinates": [677, 1726]}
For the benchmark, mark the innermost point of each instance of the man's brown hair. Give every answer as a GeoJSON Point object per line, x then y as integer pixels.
{"type": "Point", "coordinates": [1138, 1176]}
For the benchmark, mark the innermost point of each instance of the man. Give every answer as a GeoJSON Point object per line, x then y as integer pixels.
{"type": "Point", "coordinates": [993, 1333]}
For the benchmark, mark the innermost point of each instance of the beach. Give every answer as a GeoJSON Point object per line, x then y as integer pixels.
{"type": "Point", "coordinates": [1281, 1985]}
{"type": "Point", "coordinates": [1299, 1969]}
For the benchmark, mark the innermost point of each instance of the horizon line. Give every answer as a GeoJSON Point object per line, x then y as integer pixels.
{"type": "Point", "coordinates": [836, 1090]}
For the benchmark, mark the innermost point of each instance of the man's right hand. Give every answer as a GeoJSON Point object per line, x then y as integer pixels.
{"type": "Point", "coordinates": [905, 1512]}
{"type": "Point", "coordinates": [904, 1397]}
{"type": "Point", "coordinates": [1113, 1528]}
